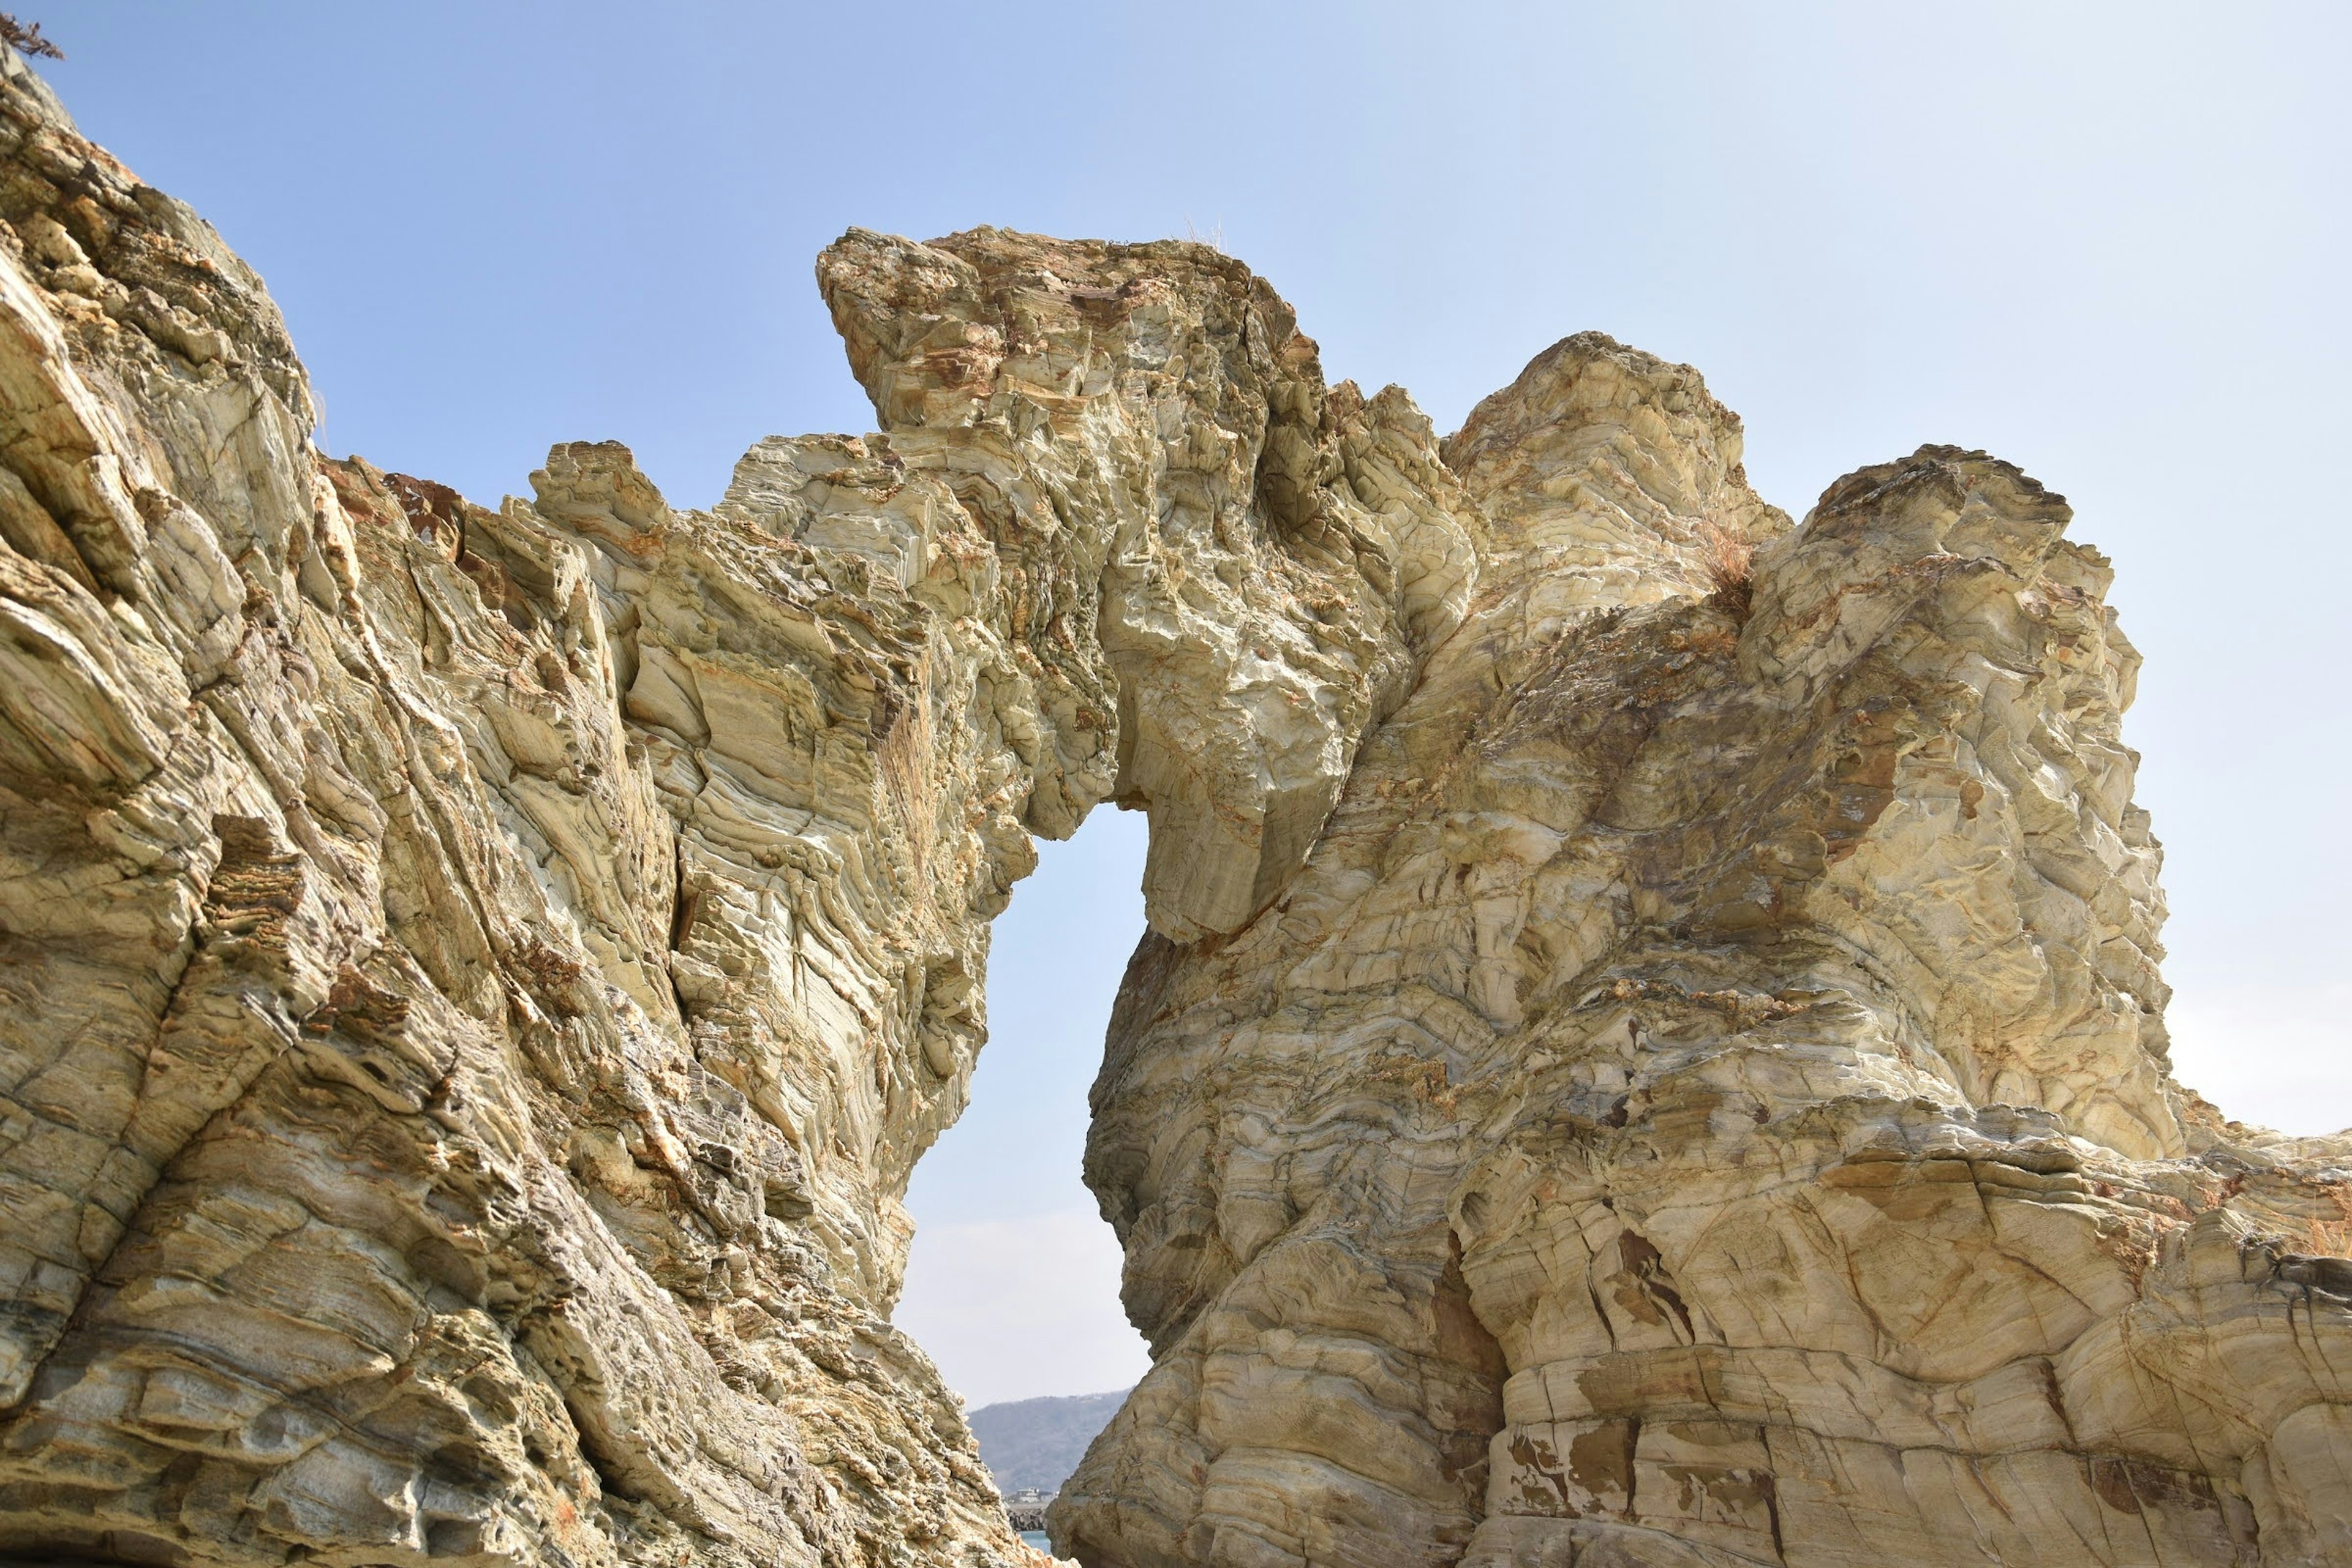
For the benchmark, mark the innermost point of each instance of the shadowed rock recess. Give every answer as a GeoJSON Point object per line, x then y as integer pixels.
{"type": "Point", "coordinates": [1648, 1052]}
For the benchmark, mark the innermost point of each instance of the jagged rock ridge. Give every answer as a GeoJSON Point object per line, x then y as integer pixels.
{"type": "Point", "coordinates": [1643, 1054]}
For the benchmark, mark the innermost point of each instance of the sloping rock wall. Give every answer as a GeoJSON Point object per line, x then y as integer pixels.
{"type": "Point", "coordinates": [476, 982]}
{"type": "Point", "coordinates": [1644, 1055]}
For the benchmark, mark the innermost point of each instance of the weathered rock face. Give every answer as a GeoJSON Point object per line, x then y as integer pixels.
{"type": "Point", "coordinates": [476, 982]}
{"type": "Point", "coordinates": [1641, 1056]}
{"type": "Point", "coordinates": [1703, 1100]}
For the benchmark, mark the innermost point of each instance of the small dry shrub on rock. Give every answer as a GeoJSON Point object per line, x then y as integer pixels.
{"type": "Point", "coordinates": [28, 40]}
{"type": "Point", "coordinates": [1728, 559]}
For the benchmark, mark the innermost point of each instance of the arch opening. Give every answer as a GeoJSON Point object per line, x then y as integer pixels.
{"type": "Point", "coordinates": [1013, 1277]}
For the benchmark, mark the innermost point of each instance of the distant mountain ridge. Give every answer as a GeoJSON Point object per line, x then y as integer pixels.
{"type": "Point", "coordinates": [1037, 1443]}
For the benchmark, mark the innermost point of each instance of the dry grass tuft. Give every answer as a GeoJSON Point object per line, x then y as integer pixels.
{"type": "Point", "coordinates": [1214, 238]}
{"type": "Point", "coordinates": [2328, 1238]}
{"type": "Point", "coordinates": [28, 40]}
{"type": "Point", "coordinates": [1728, 559]}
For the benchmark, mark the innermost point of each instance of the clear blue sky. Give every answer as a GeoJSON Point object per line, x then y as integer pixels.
{"type": "Point", "coordinates": [2105, 242]}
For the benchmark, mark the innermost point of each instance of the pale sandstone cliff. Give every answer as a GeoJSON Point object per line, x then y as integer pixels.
{"type": "Point", "coordinates": [1632, 1065]}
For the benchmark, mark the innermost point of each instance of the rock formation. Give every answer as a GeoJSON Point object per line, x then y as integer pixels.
{"type": "Point", "coordinates": [1703, 1100]}
{"type": "Point", "coordinates": [1649, 1048]}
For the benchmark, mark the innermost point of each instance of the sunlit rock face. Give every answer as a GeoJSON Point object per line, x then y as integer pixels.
{"type": "Point", "coordinates": [1705, 1100]}
{"type": "Point", "coordinates": [1648, 1051]}
{"type": "Point", "coordinates": [476, 982]}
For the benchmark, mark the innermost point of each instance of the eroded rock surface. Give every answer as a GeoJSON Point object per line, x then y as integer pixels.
{"type": "Point", "coordinates": [1643, 1056]}
{"type": "Point", "coordinates": [1705, 1100]}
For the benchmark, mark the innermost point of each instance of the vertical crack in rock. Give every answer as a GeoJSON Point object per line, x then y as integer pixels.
{"type": "Point", "coordinates": [1649, 1048]}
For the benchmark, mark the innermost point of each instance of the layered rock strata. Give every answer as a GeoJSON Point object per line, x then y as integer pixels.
{"type": "Point", "coordinates": [1649, 1048]}
{"type": "Point", "coordinates": [1705, 1100]}
{"type": "Point", "coordinates": [476, 982]}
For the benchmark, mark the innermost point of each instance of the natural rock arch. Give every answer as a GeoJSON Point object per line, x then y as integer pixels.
{"type": "Point", "coordinates": [1623, 1037]}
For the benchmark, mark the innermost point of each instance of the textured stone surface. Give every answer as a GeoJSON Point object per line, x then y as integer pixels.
{"type": "Point", "coordinates": [1641, 1056]}
{"type": "Point", "coordinates": [1705, 1100]}
{"type": "Point", "coordinates": [476, 982]}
